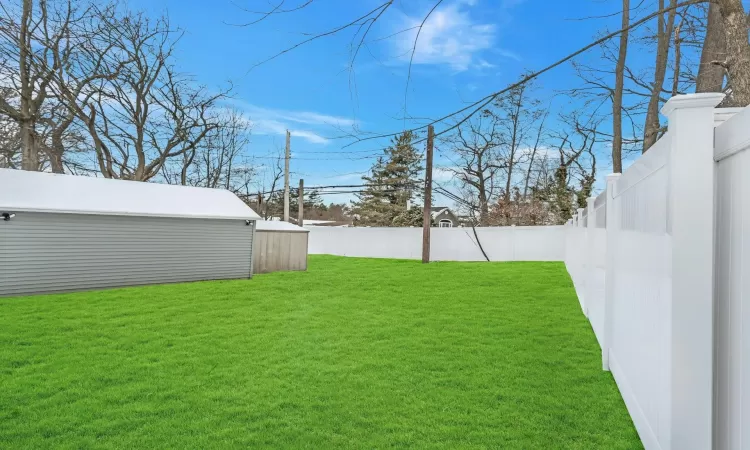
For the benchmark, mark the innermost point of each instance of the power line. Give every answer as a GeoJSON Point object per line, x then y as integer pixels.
{"type": "Point", "coordinates": [294, 158]}
{"type": "Point", "coordinates": [393, 186]}
{"type": "Point", "coordinates": [480, 104]}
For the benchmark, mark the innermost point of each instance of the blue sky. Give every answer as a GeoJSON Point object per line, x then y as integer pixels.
{"type": "Point", "coordinates": [468, 49]}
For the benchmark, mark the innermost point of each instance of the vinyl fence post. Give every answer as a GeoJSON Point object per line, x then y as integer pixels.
{"type": "Point", "coordinates": [580, 262]}
{"type": "Point", "coordinates": [590, 243]}
{"type": "Point", "coordinates": [612, 229]}
{"type": "Point", "coordinates": [691, 189]}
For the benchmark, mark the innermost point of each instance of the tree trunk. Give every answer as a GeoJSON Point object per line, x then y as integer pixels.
{"type": "Point", "coordinates": [664, 33]}
{"type": "Point", "coordinates": [711, 75]}
{"type": "Point", "coordinates": [528, 173]}
{"type": "Point", "coordinates": [738, 51]}
{"type": "Point", "coordinates": [677, 59]}
{"type": "Point", "coordinates": [513, 146]}
{"type": "Point", "coordinates": [533, 155]}
{"type": "Point", "coordinates": [55, 153]}
{"type": "Point", "coordinates": [56, 162]}
{"type": "Point", "coordinates": [617, 94]}
{"type": "Point", "coordinates": [484, 209]}
{"type": "Point", "coordinates": [29, 155]}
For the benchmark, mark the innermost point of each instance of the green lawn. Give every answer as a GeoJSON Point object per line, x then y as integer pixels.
{"type": "Point", "coordinates": [354, 353]}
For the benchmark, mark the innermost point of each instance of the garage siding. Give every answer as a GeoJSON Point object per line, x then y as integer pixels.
{"type": "Point", "coordinates": [47, 252]}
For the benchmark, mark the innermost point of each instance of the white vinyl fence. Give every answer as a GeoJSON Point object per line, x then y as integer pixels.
{"type": "Point", "coordinates": [661, 265]}
{"type": "Point", "coordinates": [446, 244]}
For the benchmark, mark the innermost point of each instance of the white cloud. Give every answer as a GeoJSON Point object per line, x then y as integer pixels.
{"type": "Point", "coordinates": [449, 36]}
{"type": "Point", "coordinates": [482, 64]}
{"type": "Point", "coordinates": [346, 177]}
{"type": "Point", "coordinates": [270, 126]}
{"type": "Point", "coordinates": [507, 53]}
{"type": "Point", "coordinates": [301, 117]}
{"type": "Point", "coordinates": [308, 125]}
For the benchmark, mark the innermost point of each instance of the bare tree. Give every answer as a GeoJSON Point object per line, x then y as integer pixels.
{"type": "Point", "coordinates": [476, 160]}
{"type": "Point", "coordinates": [533, 159]}
{"type": "Point", "coordinates": [737, 62]}
{"type": "Point", "coordinates": [215, 162]}
{"type": "Point", "coordinates": [10, 138]}
{"type": "Point", "coordinates": [223, 149]}
{"type": "Point", "coordinates": [664, 33]}
{"type": "Point", "coordinates": [269, 182]}
{"type": "Point", "coordinates": [148, 113]}
{"type": "Point", "coordinates": [618, 91]}
{"type": "Point", "coordinates": [517, 113]}
{"type": "Point", "coordinates": [26, 48]}
{"type": "Point", "coordinates": [710, 73]}
{"type": "Point", "coordinates": [47, 68]}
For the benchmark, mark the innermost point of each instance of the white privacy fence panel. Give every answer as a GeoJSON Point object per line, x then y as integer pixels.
{"type": "Point", "coordinates": [596, 241]}
{"type": "Point", "coordinates": [575, 260]}
{"type": "Point", "coordinates": [447, 244]}
{"type": "Point", "coordinates": [639, 348]}
{"type": "Point", "coordinates": [732, 290]}
{"type": "Point", "coordinates": [641, 259]}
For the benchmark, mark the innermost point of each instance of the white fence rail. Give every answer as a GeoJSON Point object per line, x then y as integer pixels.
{"type": "Point", "coordinates": [446, 244]}
{"type": "Point", "coordinates": [674, 326]}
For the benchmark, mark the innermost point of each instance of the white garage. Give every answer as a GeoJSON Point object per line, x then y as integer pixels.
{"type": "Point", "coordinates": [65, 233]}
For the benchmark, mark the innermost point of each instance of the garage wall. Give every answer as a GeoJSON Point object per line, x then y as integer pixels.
{"type": "Point", "coordinates": [447, 244]}
{"type": "Point", "coordinates": [42, 252]}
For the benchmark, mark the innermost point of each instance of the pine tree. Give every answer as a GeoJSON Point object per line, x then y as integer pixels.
{"type": "Point", "coordinates": [393, 181]}
{"type": "Point", "coordinates": [313, 201]}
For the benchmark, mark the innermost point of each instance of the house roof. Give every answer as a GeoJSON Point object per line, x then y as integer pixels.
{"type": "Point", "coordinates": [437, 210]}
{"type": "Point", "coordinates": [278, 225]}
{"type": "Point", "coordinates": [69, 194]}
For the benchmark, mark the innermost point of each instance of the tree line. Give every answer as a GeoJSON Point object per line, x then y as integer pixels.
{"type": "Point", "coordinates": [93, 88]}
{"type": "Point", "coordinates": [518, 161]}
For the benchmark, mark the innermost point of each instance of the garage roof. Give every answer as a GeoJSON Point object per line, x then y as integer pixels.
{"type": "Point", "coordinates": [278, 225]}
{"type": "Point", "coordinates": [70, 194]}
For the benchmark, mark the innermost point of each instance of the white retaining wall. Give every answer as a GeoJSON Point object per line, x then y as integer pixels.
{"type": "Point", "coordinates": [446, 244]}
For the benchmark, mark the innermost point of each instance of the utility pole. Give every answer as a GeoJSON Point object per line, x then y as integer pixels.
{"type": "Point", "coordinates": [301, 201]}
{"type": "Point", "coordinates": [286, 177]}
{"type": "Point", "coordinates": [260, 205]}
{"type": "Point", "coordinates": [427, 216]}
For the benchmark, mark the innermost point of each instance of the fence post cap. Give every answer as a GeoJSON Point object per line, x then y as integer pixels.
{"type": "Point", "coordinates": [702, 100]}
{"type": "Point", "coordinates": [613, 176]}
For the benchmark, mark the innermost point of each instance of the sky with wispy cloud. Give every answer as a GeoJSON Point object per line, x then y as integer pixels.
{"type": "Point", "coordinates": [466, 49]}
{"type": "Point", "coordinates": [308, 126]}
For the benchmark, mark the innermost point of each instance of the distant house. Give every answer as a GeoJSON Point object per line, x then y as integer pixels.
{"type": "Point", "coordinates": [443, 217]}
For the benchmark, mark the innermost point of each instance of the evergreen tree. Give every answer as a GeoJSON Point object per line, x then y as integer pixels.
{"type": "Point", "coordinates": [312, 201]}
{"type": "Point", "coordinates": [394, 180]}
